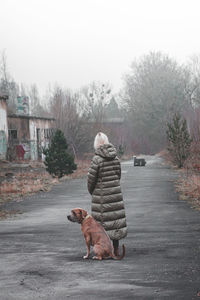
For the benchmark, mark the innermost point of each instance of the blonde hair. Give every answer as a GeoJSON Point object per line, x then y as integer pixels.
{"type": "Point", "coordinates": [100, 139]}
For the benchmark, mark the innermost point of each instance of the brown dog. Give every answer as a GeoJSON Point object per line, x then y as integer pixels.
{"type": "Point", "coordinates": [94, 235]}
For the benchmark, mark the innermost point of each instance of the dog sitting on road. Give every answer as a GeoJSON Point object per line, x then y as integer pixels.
{"type": "Point", "coordinates": [94, 235]}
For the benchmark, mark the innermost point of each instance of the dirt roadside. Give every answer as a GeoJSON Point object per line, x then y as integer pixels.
{"type": "Point", "coordinates": [188, 187]}
{"type": "Point", "coordinates": [22, 178]}
{"type": "Point", "coordinates": [188, 182]}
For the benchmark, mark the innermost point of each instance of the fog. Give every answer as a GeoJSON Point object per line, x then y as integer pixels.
{"type": "Point", "coordinates": [75, 42]}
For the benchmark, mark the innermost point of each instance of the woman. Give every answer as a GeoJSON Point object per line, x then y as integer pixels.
{"type": "Point", "coordinates": [104, 186]}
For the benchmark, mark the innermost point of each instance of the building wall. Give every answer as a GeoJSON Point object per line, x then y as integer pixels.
{"type": "Point", "coordinates": [32, 135]}
{"type": "Point", "coordinates": [40, 134]}
{"type": "Point", "coordinates": [22, 127]}
{"type": "Point", "coordinates": [22, 138]}
{"type": "Point", "coordinates": [3, 129]}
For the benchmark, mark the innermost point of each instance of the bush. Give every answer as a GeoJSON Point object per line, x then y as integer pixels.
{"type": "Point", "coordinates": [58, 161]}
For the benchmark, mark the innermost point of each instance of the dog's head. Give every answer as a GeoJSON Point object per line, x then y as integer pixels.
{"type": "Point", "coordinates": [77, 215]}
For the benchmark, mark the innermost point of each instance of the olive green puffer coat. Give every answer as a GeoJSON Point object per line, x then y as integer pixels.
{"type": "Point", "coordinates": [104, 186]}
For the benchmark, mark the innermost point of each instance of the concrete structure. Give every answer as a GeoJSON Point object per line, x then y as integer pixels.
{"type": "Point", "coordinates": [28, 133]}
{"type": "Point", "coordinates": [3, 126]}
{"type": "Point", "coordinates": [23, 136]}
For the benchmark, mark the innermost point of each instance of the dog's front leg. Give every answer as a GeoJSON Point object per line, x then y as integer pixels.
{"type": "Point", "coordinates": [87, 240]}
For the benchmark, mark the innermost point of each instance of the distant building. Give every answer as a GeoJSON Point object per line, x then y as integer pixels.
{"type": "Point", "coordinates": [23, 136]}
{"type": "Point", "coordinates": [3, 126]}
{"type": "Point", "coordinates": [30, 133]}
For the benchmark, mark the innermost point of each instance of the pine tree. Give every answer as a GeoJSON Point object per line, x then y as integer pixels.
{"type": "Point", "coordinates": [58, 161]}
{"type": "Point", "coordinates": [179, 140]}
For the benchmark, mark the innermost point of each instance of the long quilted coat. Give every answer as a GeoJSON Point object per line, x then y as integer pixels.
{"type": "Point", "coordinates": [104, 186]}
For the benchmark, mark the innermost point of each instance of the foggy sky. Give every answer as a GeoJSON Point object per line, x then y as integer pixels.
{"type": "Point", "coordinates": [73, 42]}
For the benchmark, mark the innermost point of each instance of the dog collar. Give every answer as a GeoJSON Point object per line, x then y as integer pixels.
{"type": "Point", "coordinates": [86, 218]}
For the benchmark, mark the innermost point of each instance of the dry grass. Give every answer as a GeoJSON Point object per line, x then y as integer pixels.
{"type": "Point", "coordinates": [189, 189]}
{"type": "Point", "coordinates": [35, 178]}
{"type": "Point", "coordinates": [5, 214]}
{"type": "Point", "coordinates": [82, 169]}
{"type": "Point", "coordinates": [24, 184]}
{"type": "Point", "coordinates": [188, 185]}
{"type": "Point", "coordinates": [27, 181]}
{"type": "Point", "coordinates": [167, 158]}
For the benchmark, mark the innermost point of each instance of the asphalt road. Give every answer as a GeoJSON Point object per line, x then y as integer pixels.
{"type": "Point", "coordinates": [41, 251]}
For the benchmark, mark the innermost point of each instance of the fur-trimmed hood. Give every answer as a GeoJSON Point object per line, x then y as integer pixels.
{"type": "Point", "coordinates": [107, 151]}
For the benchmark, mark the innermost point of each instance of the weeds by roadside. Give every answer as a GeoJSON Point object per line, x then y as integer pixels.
{"type": "Point", "coordinates": [188, 185]}
{"type": "Point", "coordinates": [21, 179]}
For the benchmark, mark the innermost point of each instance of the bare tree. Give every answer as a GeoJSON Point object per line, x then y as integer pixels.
{"type": "Point", "coordinates": [70, 118]}
{"type": "Point", "coordinates": [34, 102]}
{"type": "Point", "coordinates": [192, 85]}
{"type": "Point", "coordinates": [96, 97]}
{"type": "Point", "coordinates": [154, 91]}
{"type": "Point", "coordinates": [7, 84]}
{"type": "Point", "coordinates": [4, 72]}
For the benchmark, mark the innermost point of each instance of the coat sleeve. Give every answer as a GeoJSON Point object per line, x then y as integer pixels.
{"type": "Point", "coordinates": [119, 169]}
{"type": "Point", "coordinates": [92, 175]}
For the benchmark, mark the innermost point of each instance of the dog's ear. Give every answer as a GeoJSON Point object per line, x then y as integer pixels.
{"type": "Point", "coordinates": [83, 213]}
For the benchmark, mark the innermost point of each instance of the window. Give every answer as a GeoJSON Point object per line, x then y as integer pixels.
{"type": "Point", "coordinates": [48, 133]}
{"type": "Point", "coordinates": [12, 134]}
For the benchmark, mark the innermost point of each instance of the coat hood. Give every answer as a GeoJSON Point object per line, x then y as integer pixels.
{"type": "Point", "coordinates": [106, 151]}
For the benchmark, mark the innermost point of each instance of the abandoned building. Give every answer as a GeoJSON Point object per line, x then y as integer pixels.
{"type": "Point", "coordinates": [22, 136]}
{"type": "Point", "coordinates": [3, 126]}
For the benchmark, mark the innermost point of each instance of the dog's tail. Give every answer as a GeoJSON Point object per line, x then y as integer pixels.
{"type": "Point", "coordinates": [122, 255]}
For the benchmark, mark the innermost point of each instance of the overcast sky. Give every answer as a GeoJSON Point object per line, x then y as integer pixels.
{"type": "Point", "coordinates": [74, 42]}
